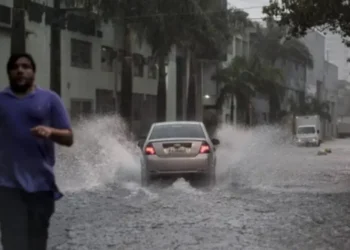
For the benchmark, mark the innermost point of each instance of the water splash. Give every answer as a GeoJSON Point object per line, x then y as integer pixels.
{"type": "Point", "coordinates": [250, 157]}
{"type": "Point", "coordinates": [262, 157]}
{"type": "Point", "coordinates": [102, 154]}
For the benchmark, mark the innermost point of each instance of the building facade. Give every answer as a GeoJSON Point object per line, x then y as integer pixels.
{"type": "Point", "coordinates": [90, 68]}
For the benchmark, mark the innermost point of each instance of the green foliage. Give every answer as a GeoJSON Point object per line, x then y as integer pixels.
{"type": "Point", "coordinates": [311, 106]}
{"type": "Point", "coordinates": [244, 77]}
{"type": "Point", "coordinates": [301, 15]}
{"type": "Point", "coordinates": [269, 43]}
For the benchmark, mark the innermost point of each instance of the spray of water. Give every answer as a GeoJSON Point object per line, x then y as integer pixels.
{"type": "Point", "coordinates": [252, 157]}
{"type": "Point", "coordinates": [102, 154]}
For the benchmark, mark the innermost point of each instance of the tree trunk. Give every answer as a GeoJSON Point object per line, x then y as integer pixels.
{"type": "Point", "coordinates": [232, 108]}
{"type": "Point", "coordinates": [55, 49]}
{"type": "Point", "coordinates": [191, 98]}
{"type": "Point", "coordinates": [18, 33]}
{"type": "Point", "coordinates": [161, 90]}
{"type": "Point", "coordinates": [126, 79]}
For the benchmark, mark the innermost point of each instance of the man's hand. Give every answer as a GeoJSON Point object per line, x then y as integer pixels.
{"type": "Point", "coordinates": [42, 131]}
{"type": "Point", "coordinates": [61, 136]}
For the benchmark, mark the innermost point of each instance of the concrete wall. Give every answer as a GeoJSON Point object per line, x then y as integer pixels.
{"type": "Point", "coordinates": [316, 44]}
{"type": "Point", "coordinates": [338, 54]}
{"type": "Point", "coordinates": [330, 95]}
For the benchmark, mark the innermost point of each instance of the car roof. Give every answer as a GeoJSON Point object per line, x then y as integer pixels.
{"type": "Point", "coordinates": [177, 123]}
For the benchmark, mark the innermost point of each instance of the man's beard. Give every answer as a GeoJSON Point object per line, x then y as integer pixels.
{"type": "Point", "coordinates": [20, 88]}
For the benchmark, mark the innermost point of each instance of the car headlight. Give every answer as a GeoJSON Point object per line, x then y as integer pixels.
{"type": "Point", "coordinates": [314, 139]}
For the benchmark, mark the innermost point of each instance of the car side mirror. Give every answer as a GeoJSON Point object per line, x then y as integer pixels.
{"type": "Point", "coordinates": [318, 131]}
{"type": "Point", "coordinates": [215, 141]}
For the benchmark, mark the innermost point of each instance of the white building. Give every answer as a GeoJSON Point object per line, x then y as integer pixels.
{"type": "Point", "coordinates": [338, 54]}
{"type": "Point", "coordinates": [90, 74]}
{"type": "Point", "coordinates": [322, 79]}
{"type": "Point", "coordinates": [316, 43]}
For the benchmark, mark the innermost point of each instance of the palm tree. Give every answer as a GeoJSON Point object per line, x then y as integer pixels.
{"type": "Point", "coordinates": [190, 25]}
{"type": "Point", "coordinates": [238, 80]}
{"type": "Point", "coordinates": [123, 12]}
{"type": "Point", "coordinates": [270, 45]}
{"type": "Point", "coordinates": [244, 78]}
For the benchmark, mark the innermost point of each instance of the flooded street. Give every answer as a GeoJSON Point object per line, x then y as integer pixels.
{"type": "Point", "coordinates": [270, 195]}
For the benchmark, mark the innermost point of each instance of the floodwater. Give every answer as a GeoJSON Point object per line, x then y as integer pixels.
{"type": "Point", "coordinates": [269, 195]}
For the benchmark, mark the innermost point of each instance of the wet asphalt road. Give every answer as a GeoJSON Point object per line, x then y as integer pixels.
{"type": "Point", "coordinates": [282, 198]}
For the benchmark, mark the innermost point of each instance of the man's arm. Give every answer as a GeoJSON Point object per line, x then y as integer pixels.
{"type": "Point", "coordinates": [61, 132]}
{"type": "Point", "coordinates": [62, 136]}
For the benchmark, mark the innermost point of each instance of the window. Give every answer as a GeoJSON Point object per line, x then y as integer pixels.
{"type": "Point", "coordinates": [138, 69]}
{"type": "Point", "coordinates": [177, 131]}
{"type": "Point", "coordinates": [107, 58]}
{"type": "Point", "coordinates": [5, 14]}
{"type": "Point", "coordinates": [105, 101]}
{"type": "Point", "coordinates": [152, 70]}
{"type": "Point", "coordinates": [80, 107]}
{"type": "Point", "coordinates": [81, 54]}
{"type": "Point", "coordinates": [306, 130]}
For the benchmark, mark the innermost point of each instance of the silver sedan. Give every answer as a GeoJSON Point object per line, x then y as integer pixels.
{"type": "Point", "coordinates": [178, 148]}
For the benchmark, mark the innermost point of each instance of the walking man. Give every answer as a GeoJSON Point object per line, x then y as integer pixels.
{"type": "Point", "coordinates": [32, 119]}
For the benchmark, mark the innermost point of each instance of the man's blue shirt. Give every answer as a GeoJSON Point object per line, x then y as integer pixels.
{"type": "Point", "coordinates": [26, 161]}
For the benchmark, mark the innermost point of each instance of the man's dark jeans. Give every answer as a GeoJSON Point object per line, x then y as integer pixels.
{"type": "Point", "coordinates": [25, 219]}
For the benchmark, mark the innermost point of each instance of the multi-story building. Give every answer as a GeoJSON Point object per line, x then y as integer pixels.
{"type": "Point", "coordinates": [338, 53]}
{"type": "Point", "coordinates": [90, 69]}
{"type": "Point", "coordinates": [322, 79]}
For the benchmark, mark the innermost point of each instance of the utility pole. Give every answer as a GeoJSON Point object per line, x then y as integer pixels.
{"type": "Point", "coordinates": [18, 32]}
{"type": "Point", "coordinates": [55, 49]}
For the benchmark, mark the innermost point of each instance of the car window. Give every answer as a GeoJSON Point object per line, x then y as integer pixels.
{"type": "Point", "coordinates": [306, 130]}
{"type": "Point", "coordinates": [177, 131]}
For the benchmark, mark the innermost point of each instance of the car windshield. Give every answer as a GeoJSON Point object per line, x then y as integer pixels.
{"type": "Point", "coordinates": [306, 130]}
{"type": "Point", "coordinates": [177, 131]}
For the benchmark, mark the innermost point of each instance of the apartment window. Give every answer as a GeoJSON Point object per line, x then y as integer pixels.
{"type": "Point", "coordinates": [80, 108]}
{"type": "Point", "coordinates": [152, 70]}
{"type": "Point", "coordinates": [81, 54]}
{"type": "Point", "coordinates": [5, 14]}
{"type": "Point", "coordinates": [107, 58]}
{"type": "Point", "coordinates": [138, 65]}
{"type": "Point", "coordinates": [105, 101]}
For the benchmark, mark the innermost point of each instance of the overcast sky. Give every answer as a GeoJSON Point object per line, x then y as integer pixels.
{"type": "Point", "coordinates": [253, 7]}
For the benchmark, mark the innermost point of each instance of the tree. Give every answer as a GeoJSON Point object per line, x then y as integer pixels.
{"type": "Point", "coordinates": [163, 25]}
{"type": "Point", "coordinates": [118, 12]}
{"type": "Point", "coordinates": [239, 80]}
{"type": "Point", "coordinates": [311, 106]}
{"type": "Point", "coordinates": [269, 45]}
{"type": "Point", "coordinates": [300, 15]}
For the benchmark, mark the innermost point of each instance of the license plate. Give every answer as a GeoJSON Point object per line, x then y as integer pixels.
{"type": "Point", "coordinates": [177, 150]}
